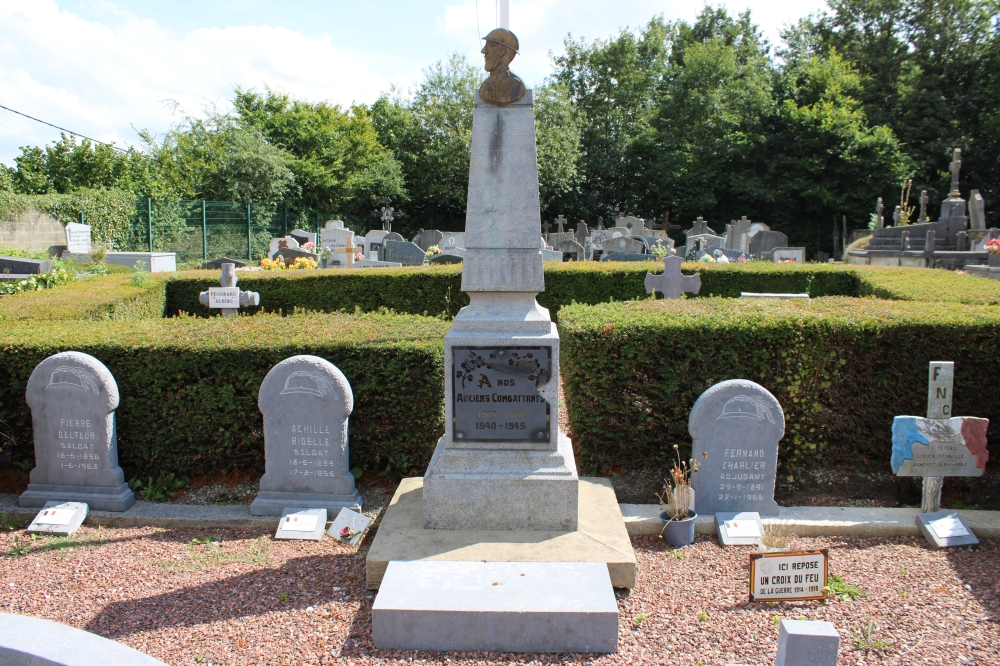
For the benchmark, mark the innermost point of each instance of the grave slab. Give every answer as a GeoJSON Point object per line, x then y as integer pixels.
{"type": "Point", "coordinates": [354, 522]}
{"type": "Point", "coordinates": [455, 259]}
{"type": "Point", "coordinates": [811, 642]}
{"type": "Point", "coordinates": [946, 529]}
{"type": "Point", "coordinates": [403, 252]}
{"type": "Point", "coordinates": [496, 607]}
{"type": "Point", "coordinates": [739, 529]}
{"type": "Point", "coordinates": [156, 262]}
{"type": "Point", "coordinates": [599, 537]}
{"type": "Point", "coordinates": [375, 263]}
{"type": "Point", "coordinates": [62, 518]}
{"type": "Point", "coordinates": [301, 525]}
{"type": "Point", "coordinates": [24, 266]}
{"type": "Point", "coordinates": [32, 641]}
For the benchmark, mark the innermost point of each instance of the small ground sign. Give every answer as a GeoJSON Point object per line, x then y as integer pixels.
{"type": "Point", "coordinates": [796, 576]}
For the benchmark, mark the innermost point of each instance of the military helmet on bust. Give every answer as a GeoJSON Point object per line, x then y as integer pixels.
{"type": "Point", "coordinates": [504, 37]}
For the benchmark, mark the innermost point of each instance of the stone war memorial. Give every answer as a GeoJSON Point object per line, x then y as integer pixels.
{"type": "Point", "coordinates": [306, 402]}
{"type": "Point", "coordinates": [73, 398]}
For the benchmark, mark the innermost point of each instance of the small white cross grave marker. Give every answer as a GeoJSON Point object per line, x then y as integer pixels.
{"type": "Point", "coordinates": [672, 283]}
{"type": "Point", "coordinates": [228, 298]}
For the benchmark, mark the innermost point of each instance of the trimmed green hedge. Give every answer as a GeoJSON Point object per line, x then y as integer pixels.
{"type": "Point", "coordinates": [100, 298]}
{"type": "Point", "coordinates": [189, 386]}
{"type": "Point", "coordinates": [841, 368]}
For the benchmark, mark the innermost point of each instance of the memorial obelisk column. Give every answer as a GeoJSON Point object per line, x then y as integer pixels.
{"type": "Point", "coordinates": [502, 463]}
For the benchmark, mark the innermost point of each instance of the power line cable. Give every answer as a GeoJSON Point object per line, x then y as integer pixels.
{"type": "Point", "coordinates": [63, 129]}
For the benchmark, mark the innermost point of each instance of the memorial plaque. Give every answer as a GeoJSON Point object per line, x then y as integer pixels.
{"type": "Point", "coordinates": [939, 447]}
{"type": "Point", "coordinates": [78, 238]}
{"type": "Point", "coordinates": [349, 527]}
{"type": "Point", "coordinates": [495, 396]}
{"type": "Point", "coordinates": [63, 518]}
{"type": "Point", "coordinates": [797, 576]}
{"type": "Point", "coordinates": [739, 529]}
{"type": "Point", "coordinates": [946, 529]}
{"type": "Point", "coordinates": [223, 297]}
{"type": "Point", "coordinates": [301, 524]}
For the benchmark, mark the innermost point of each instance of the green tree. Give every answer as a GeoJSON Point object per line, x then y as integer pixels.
{"type": "Point", "coordinates": [558, 131]}
{"type": "Point", "coordinates": [68, 166]}
{"type": "Point", "coordinates": [335, 155]}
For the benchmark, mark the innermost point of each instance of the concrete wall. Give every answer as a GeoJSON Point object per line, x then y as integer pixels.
{"type": "Point", "coordinates": [33, 230]}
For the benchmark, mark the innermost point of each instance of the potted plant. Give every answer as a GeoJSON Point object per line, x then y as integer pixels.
{"type": "Point", "coordinates": [677, 502]}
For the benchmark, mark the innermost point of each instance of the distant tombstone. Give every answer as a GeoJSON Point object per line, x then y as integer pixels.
{"type": "Point", "coordinates": [626, 256]}
{"type": "Point", "coordinates": [736, 426]}
{"type": "Point", "coordinates": [404, 252]}
{"type": "Point", "coordinates": [445, 259]}
{"type": "Point", "coordinates": [796, 254]}
{"type": "Point", "coordinates": [452, 239]}
{"type": "Point", "coordinates": [302, 236]}
{"type": "Point", "coordinates": [216, 264]}
{"type": "Point", "coordinates": [672, 283]}
{"type": "Point", "coordinates": [633, 226]}
{"type": "Point", "coordinates": [555, 240]}
{"type": "Point", "coordinates": [278, 244]}
{"type": "Point", "coordinates": [372, 243]}
{"type": "Point", "coordinates": [306, 402]}
{"type": "Point", "coordinates": [22, 266]}
{"type": "Point", "coordinates": [738, 234]}
{"type": "Point", "coordinates": [582, 233]}
{"type": "Point", "coordinates": [763, 243]}
{"type": "Point", "coordinates": [393, 236]}
{"type": "Point", "coordinates": [698, 242]}
{"type": "Point", "coordinates": [340, 244]}
{"type": "Point", "coordinates": [78, 238]}
{"type": "Point", "coordinates": [624, 244]}
{"type": "Point", "coordinates": [977, 210]}
{"type": "Point", "coordinates": [726, 255]}
{"type": "Point", "coordinates": [571, 250]}
{"type": "Point", "coordinates": [699, 228]}
{"type": "Point", "coordinates": [334, 236]}
{"type": "Point", "coordinates": [429, 238]}
{"type": "Point", "coordinates": [73, 398]}
{"type": "Point", "coordinates": [333, 224]}
{"type": "Point", "coordinates": [289, 255]}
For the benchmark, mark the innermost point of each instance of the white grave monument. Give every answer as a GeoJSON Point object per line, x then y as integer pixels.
{"type": "Point", "coordinates": [78, 238]}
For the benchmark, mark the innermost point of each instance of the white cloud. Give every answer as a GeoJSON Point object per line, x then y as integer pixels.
{"type": "Point", "coordinates": [101, 79]}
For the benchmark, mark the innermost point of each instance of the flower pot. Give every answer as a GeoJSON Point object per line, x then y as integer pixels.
{"type": "Point", "coordinates": [994, 259]}
{"type": "Point", "coordinates": [678, 532]}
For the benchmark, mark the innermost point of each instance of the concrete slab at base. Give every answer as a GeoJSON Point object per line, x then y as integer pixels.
{"type": "Point", "coordinates": [31, 641]}
{"type": "Point", "coordinates": [496, 607]}
{"type": "Point", "coordinates": [600, 537]}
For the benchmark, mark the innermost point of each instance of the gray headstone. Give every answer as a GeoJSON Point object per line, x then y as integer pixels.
{"type": "Point", "coordinates": [73, 398]}
{"type": "Point", "coordinates": [634, 225]}
{"type": "Point", "coordinates": [738, 234]}
{"type": "Point", "coordinates": [452, 239]}
{"type": "Point", "coordinates": [796, 254]}
{"type": "Point", "coordinates": [977, 210]}
{"type": "Point", "coordinates": [355, 523]}
{"type": "Point", "coordinates": [278, 244]}
{"type": "Point", "coordinates": [738, 529]}
{"type": "Point", "coordinates": [623, 244]}
{"type": "Point", "coordinates": [403, 252]}
{"type": "Point", "coordinates": [582, 232]}
{"type": "Point", "coordinates": [672, 283]}
{"type": "Point", "coordinates": [946, 529]}
{"type": "Point", "coordinates": [306, 402]}
{"type": "Point", "coordinates": [626, 256]}
{"type": "Point", "coordinates": [63, 518]}
{"type": "Point", "coordinates": [736, 426]}
{"type": "Point", "coordinates": [427, 239]}
{"type": "Point", "coordinates": [809, 642]}
{"type": "Point", "coordinates": [303, 236]}
{"type": "Point", "coordinates": [571, 251]}
{"type": "Point", "coordinates": [446, 259]}
{"type": "Point", "coordinates": [555, 240]}
{"type": "Point", "coordinates": [496, 607]}
{"type": "Point", "coordinates": [21, 266]}
{"type": "Point", "coordinates": [216, 264]}
{"type": "Point", "coordinates": [767, 241]}
{"type": "Point", "coordinates": [301, 525]}
{"type": "Point", "coordinates": [699, 228]}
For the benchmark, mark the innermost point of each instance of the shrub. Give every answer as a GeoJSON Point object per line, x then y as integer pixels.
{"type": "Point", "coordinates": [189, 386]}
{"type": "Point", "coordinates": [110, 297]}
{"type": "Point", "coordinates": [840, 367]}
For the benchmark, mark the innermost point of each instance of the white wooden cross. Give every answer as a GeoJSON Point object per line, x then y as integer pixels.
{"type": "Point", "coordinates": [228, 297]}
{"type": "Point", "coordinates": [672, 283]}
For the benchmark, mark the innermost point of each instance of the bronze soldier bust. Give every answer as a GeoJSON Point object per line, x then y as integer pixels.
{"type": "Point", "coordinates": [502, 87]}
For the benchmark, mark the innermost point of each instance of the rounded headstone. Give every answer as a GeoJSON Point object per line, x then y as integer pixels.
{"type": "Point", "coordinates": [736, 426]}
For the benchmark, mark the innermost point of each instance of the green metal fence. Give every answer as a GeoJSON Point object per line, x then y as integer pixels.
{"type": "Point", "coordinates": [201, 230]}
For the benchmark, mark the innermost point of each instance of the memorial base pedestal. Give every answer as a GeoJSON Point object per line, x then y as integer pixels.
{"type": "Point", "coordinates": [273, 503]}
{"type": "Point", "coordinates": [97, 498]}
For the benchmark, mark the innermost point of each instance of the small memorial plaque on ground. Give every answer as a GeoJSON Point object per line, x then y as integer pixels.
{"type": "Point", "coordinates": [946, 529]}
{"type": "Point", "coordinates": [736, 426]}
{"type": "Point", "coordinates": [349, 527]}
{"type": "Point", "coordinates": [495, 397]}
{"type": "Point", "coordinates": [303, 524]}
{"type": "Point", "coordinates": [796, 576]}
{"type": "Point", "coordinates": [739, 529]}
{"type": "Point", "coordinates": [62, 518]}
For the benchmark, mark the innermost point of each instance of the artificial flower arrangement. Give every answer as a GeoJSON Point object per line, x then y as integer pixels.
{"type": "Point", "coordinates": [308, 246]}
{"type": "Point", "coordinates": [993, 246]}
{"type": "Point", "coordinates": [277, 264]}
{"type": "Point", "coordinates": [433, 250]}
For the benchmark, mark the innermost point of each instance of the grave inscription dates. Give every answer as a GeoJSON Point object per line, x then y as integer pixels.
{"type": "Point", "coordinates": [305, 401]}
{"type": "Point", "coordinates": [73, 397]}
{"type": "Point", "coordinates": [494, 394]}
{"type": "Point", "coordinates": [736, 426]}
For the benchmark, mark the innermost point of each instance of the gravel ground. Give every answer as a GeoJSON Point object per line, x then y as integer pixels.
{"type": "Point", "coordinates": [248, 600]}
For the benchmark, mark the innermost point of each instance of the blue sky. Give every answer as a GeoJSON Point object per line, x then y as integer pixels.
{"type": "Point", "coordinates": [108, 68]}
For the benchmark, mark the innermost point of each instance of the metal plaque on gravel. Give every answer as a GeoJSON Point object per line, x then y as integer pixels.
{"type": "Point", "coordinates": [495, 396]}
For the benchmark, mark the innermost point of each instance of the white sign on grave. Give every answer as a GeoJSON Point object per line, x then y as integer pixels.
{"type": "Point", "coordinates": [55, 516]}
{"type": "Point", "coordinates": [300, 522]}
{"type": "Point", "coordinates": [743, 529]}
{"type": "Point", "coordinates": [947, 527]}
{"type": "Point", "coordinates": [78, 238]}
{"type": "Point", "coordinates": [797, 576]}
{"type": "Point", "coordinates": [223, 297]}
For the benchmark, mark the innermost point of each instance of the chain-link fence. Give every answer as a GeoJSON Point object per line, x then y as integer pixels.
{"type": "Point", "coordinates": [202, 230]}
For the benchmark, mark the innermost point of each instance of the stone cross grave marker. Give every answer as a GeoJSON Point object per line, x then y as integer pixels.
{"type": "Point", "coordinates": [73, 398]}
{"type": "Point", "coordinates": [672, 283]}
{"type": "Point", "coordinates": [736, 426]}
{"type": "Point", "coordinates": [306, 402]}
{"type": "Point", "coordinates": [878, 213]}
{"type": "Point", "coordinates": [924, 200]}
{"type": "Point", "coordinates": [228, 297]}
{"type": "Point", "coordinates": [561, 223]}
{"type": "Point", "coordinates": [937, 446]}
{"type": "Point", "coordinates": [699, 228]}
